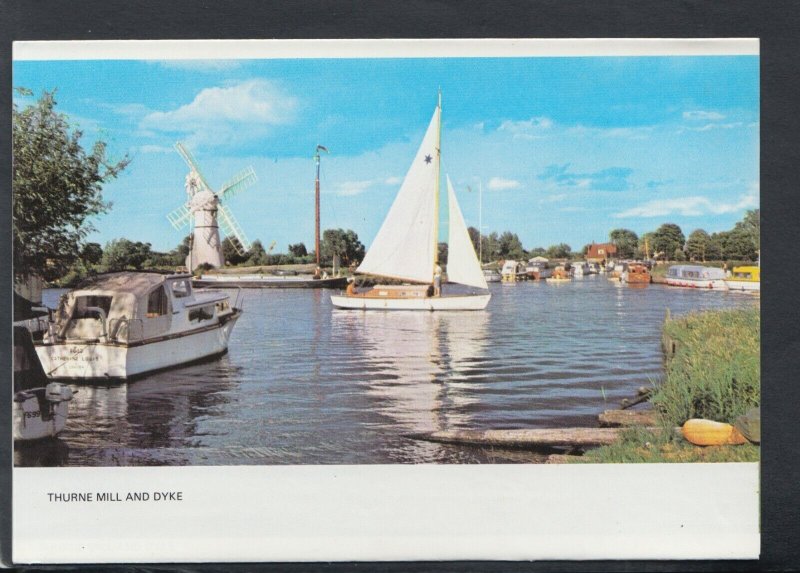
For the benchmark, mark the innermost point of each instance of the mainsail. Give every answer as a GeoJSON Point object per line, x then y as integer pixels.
{"type": "Point", "coordinates": [404, 246]}
{"type": "Point", "coordinates": [462, 263]}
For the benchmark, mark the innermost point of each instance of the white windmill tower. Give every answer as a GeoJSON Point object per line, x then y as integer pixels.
{"type": "Point", "coordinates": [206, 208]}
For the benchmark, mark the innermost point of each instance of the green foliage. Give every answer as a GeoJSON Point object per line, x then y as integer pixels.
{"type": "Point", "coordinates": [716, 370]}
{"type": "Point", "coordinates": [667, 239]}
{"type": "Point", "coordinates": [510, 247]}
{"type": "Point", "coordinates": [736, 244]}
{"type": "Point", "coordinates": [541, 251]}
{"type": "Point", "coordinates": [559, 251]}
{"type": "Point", "coordinates": [122, 254]}
{"type": "Point", "coordinates": [231, 254]}
{"type": "Point", "coordinates": [491, 247]}
{"type": "Point", "coordinates": [750, 226]}
{"type": "Point", "coordinates": [442, 251]}
{"type": "Point", "coordinates": [342, 243]}
{"type": "Point", "coordinates": [679, 255]}
{"type": "Point", "coordinates": [91, 254]}
{"type": "Point", "coordinates": [698, 245]}
{"type": "Point", "coordinates": [298, 250]}
{"type": "Point", "coordinates": [256, 256]}
{"type": "Point", "coordinates": [643, 445]}
{"type": "Point", "coordinates": [626, 242]}
{"type": "Point", "coordinates": [56, 187]}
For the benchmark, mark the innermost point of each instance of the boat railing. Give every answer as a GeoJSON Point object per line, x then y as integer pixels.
{"type": "Point", "coordinates": [115, 325]}
{"type": "Point", "coordinates": [238, 303]}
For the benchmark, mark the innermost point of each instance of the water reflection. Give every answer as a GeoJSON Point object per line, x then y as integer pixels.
{"type": "Point", "coordinates": [306, 384]}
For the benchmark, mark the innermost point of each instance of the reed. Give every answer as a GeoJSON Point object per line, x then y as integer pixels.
{"type": "Point", "coordinates": [715, 372]}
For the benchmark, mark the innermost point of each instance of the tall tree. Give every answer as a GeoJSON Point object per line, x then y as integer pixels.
{"type": "Point", "coordinates": [491, 247]}
{"type": "Point", "coordinates": [342, 243]}
{"type": "Point", "coordinates": [121, 254]}
{"type": "Point", "coordinates": [626, 242]}
{"type": "Point", "coordinates": [298, 250]}
{"type": "Point", "coordinates": [510, 246]}
{"type": "Point", "coordinates": [750, 226]}
{"type": "Point", "coordinates": [666, 239]}
{"type": "Point", "coordinates": [475, 237]}
{"type": "Point", "coordinates": [56, 187]}
{"type": "Point", "coordinates": [559, 251]}
{"type": "Point", "coordinates": [698, 245]}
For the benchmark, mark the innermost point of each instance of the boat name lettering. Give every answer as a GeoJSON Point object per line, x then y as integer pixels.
{"type": "Point", "coordinates": [76, 358]}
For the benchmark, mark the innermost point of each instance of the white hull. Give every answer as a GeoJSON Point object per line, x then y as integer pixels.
{"type": "Point", "coordinates": [30, 423]}
{"type": "Point", "coordinates": [458, 302]}
{"type": "Point", "coordinates": [96, 360]}
{"type": "Point", "coordinates": [716, 284]}
{"type": "Point", "coordinates": [748, 286]}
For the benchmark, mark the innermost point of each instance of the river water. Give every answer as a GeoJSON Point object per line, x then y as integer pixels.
{"type": "Point", "coordinates": [306, 384]}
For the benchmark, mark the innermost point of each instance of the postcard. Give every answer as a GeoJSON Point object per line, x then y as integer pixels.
{"type": "Point", "coordinates": [336, 300]}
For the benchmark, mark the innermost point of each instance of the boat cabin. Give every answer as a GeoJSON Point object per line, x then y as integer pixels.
{"type": "Point", "coordinates": [133, 306]}
{"type": "Point", "coordinates": [695, 272]}
{"type": "Point", "coordinates": [749, 274]}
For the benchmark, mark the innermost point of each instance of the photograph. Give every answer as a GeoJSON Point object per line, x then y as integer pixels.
{"type": "Point", "coordinates": [357, 256]}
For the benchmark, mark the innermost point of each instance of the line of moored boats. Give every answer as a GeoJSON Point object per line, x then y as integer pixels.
{"type": "Point", "coordinates": [742, 278]}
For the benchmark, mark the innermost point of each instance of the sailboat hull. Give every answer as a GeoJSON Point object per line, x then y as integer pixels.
{"type": "Point", "coordinates": [456, 302]}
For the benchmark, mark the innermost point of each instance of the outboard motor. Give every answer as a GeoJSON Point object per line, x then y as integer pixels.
{"type": "Point", "coordinates": [55, 392]}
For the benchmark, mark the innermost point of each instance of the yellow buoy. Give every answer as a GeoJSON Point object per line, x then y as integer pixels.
{"type": "Point", "coordinates": [709, 433]}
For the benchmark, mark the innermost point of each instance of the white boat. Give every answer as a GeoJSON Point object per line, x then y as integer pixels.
{"type": "Point", "coordinates": [121, 325]}
{"type": "Point", "coordinates": [580, 269]}
{"type": "Point", "coordinates": [40, 409]}
{"type": "Point", "coordinates": [492, 276]}
{"type": "Point", "coordinates": [695, 276]}
{"type": "Point", "coordinates": [406, 245]}
{"type": "Point", "coordinates": [538, 268]}
{"type": "Point", "coordinates": [513, 271]}
{"type": "Point", "coordinates": [593, 268]}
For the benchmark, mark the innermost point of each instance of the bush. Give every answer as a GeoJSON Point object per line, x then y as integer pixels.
{"type": "Point", "coordinates": [715, 372]}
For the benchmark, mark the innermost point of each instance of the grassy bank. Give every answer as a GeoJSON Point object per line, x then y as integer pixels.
{"type": "Point", "coordinates": [713, 373]}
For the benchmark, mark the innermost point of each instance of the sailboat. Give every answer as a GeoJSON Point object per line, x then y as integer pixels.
{"type": "Point", "coordinates": [406, 248]}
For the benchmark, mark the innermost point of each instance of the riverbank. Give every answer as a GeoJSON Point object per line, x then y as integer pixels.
{"type": "Point", "coordinates": [713, 371]}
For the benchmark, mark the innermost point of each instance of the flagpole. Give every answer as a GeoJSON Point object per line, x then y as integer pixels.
{"type": "Point", "coordinates": [316, 203]}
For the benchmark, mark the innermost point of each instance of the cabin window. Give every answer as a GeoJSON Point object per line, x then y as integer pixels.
{"type": "Point", "coordinates": [181, 288]}
{"type": "Point", "coordinates": [157, 303]}
{"type": "Point", "coordinates": [82, 304]}
{"type": "Point", "coordinates": [202, 313]}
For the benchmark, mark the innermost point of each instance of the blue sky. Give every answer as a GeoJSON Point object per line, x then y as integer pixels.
{"type": "Point", "coordinates": [566, 148]}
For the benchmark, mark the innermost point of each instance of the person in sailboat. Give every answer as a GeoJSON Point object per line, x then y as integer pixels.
{"type": "Point", "coordinates": [437, 281]}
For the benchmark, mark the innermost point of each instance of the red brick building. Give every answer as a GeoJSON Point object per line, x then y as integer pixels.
{"type": "Point", "coordinates": [601, 252]}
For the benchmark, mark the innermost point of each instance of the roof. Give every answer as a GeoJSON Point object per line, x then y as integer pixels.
{"type": "Point", "coordinates": [133, 282]}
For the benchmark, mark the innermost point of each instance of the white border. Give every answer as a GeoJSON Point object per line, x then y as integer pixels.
{"type": "Point", "coordinates": [383, 513]}
{"type": "Point", "coordinates": [446, 48]}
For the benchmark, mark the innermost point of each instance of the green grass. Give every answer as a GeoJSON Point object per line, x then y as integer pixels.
{"type": "Point", "coordinates": [640, 445]}
{"type": "Point", "coordinates": [714, 374]}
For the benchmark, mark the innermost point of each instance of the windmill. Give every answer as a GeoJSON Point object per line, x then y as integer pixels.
{"type": "Point", "coordinates": [206, 208]}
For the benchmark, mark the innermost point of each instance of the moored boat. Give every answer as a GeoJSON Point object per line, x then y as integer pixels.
{"type": "Point", "coordinates": [268, 281]}
{"type": "Point", "coordinates": [492, 276]}
{"type": "Point", "coordinates": [406, 246]}
{"type": "Point", "coordinates": [745, 279]}
{"type": "Point", "coordinates": [636, 274]}
{"type": "Point", "coordinates": [696, 276]}
{"type": "Point", "coordinates": [513, 271]}
{"type": "Point", "coordinates": [124, 324]}
{"type": "Point", "coordinates": [538, 268]}
{"type": "Point", "coordinates": [40, 408]}
{"type": "Point", "coordinates": [580, 269]}
{"type": "Point", "coordinates": [560, 274]}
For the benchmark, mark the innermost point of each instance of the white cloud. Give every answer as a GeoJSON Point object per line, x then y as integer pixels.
{"type": "Point", "coordinates": [227, 114]}
{"type": "Point", "coordinates": [527, 129]}
{"type": "Point", "coordinates": [694, 206]}
{"type": "Point", "coordinates": [700, 115]}
{"type": "Point", "coordinates": [393, 180]}
{"type": "Point", "coordinates": [350, 188]}
{"type": "Point", "coordinates": [557, 198]}
{"type": "Point", "coordinates": [500, 184]}
{"type": "Point", "coordinates": [155, 149]}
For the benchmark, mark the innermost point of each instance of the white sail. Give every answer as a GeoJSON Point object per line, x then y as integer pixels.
{"type": "Point", "coordinates": [404, 246]}
{"type": "Point", "coordinates": [462, 262]}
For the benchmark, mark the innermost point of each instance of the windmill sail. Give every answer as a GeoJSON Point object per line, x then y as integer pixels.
{"type": "Point", "coordinates": [462, 263]}
{"type": "Point", "coordinates": [404, 246]}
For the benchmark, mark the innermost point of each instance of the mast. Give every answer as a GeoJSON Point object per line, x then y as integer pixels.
{"type": "Point", "coordinates": [316, 203]}
{"type": "Point", "coordinates": [436, 192]}
{"type": "Point", "coordinates": [480, 221]}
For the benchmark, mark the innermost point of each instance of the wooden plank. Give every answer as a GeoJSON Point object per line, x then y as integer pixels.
{"type": "Point", "coordinates": [616, 418]}
{"type": "Point", "coordinates": [543, 438]}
